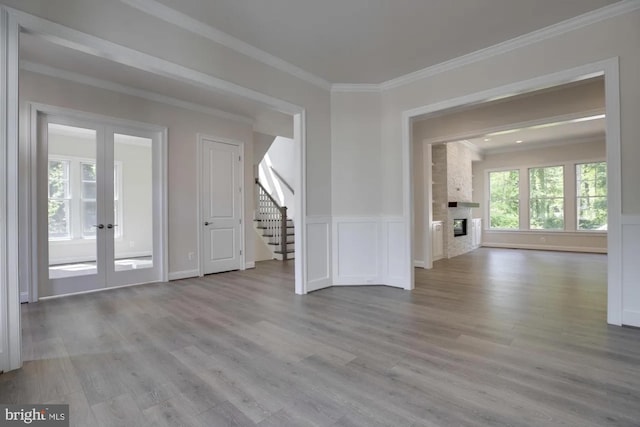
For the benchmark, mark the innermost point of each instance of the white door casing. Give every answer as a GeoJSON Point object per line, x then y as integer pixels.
{"type": "Point", "coordinates": [221, 206]}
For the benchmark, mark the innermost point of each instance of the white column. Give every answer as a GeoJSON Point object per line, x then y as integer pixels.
{"type": "Point", "coordinates": [10, 332]}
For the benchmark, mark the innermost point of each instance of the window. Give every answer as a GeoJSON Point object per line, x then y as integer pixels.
{"type": "Point", "coordinates": [59, 200]}
{"type": "Point", "coordinates": [72, 199]}
{"type": "Point", "coordinates": [89, 205]}
{"type": "Point", "coordinates": [504, 199]}
{"type": "Point", "coordinates": [591, 203]}
{"type": "Point", "coordinates": [546, 198]}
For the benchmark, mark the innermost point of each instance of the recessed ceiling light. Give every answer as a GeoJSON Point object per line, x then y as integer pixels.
{"type": "Point", "coordinates": [519, 141]}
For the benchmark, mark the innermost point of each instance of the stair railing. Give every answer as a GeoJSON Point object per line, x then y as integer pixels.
{"type": "Point", "coordinates": [273, 217]}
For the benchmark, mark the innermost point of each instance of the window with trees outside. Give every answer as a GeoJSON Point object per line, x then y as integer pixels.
{"type": "Point", "coordinates": [591, 186]}
{"type": "Point", "coordinates": [72, 210]}
{"type": "Point", "coordinates": [546, 198]}
{"type": "Point", "coordinates": [504, 202]}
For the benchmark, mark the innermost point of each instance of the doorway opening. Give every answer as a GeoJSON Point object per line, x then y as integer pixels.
{"type": "Point", "coordinates": [606, 70]}
{"type": "Point", "coordinates": [525, 172]}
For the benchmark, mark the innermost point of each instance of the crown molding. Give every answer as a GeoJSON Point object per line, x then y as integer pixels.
{"type": "Point", "coordinates": [127, 90]}
{"type": "Point", "coordinates": [360, 88]}
{"type": "Point", "coordinates": [580, 21]}
{"type": "Point", "coordinates": [172, 16]}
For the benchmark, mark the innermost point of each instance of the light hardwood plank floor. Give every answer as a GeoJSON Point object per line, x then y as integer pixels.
{"type": "Point", "coordinates": [492, 338]}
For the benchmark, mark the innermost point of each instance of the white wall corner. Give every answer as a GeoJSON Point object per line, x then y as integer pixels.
{"type": "Point", "coordinates": [249, 265]}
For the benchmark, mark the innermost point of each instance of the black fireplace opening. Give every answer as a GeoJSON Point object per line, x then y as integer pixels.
{"type": "Point", "coordinates": [459, 227]}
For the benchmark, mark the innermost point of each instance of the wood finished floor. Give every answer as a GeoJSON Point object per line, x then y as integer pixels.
{"type": "Point", "coordinates": [495, 337]}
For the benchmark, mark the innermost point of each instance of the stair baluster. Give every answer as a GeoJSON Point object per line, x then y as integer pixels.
{"type": "Point", "coordinates": [273, 217]}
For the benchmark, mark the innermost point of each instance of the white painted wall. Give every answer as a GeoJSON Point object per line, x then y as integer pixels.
{"type": "Point", "coordinates": [183, 127]}
{"type": "Point", "coordinates": [261, 144]}
{"type": "Point", "coordinates": [355, 153]}
{"type": "Point", "coordinates": [566, 155]}
{"type": "Point", "coordinates": [281, 156]}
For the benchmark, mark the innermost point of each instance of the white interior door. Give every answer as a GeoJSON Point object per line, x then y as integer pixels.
{"type": "Point", "coordinates": [221, 202]}
{"type": "Point", "coordinates": [98, 205]}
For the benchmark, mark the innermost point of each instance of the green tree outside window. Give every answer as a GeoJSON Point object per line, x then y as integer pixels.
{"type": "Point", "coordinates": [504, 201]}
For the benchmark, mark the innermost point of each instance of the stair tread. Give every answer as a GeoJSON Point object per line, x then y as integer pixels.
{"type": "Point", "coordinates": [272, 235]}
{"type": "Point", "coordinates": [289, 251]}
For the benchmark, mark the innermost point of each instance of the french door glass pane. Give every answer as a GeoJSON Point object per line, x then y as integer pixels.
{"type": "Point", "coordinates": [89, 217]}
{"type": "Point", "coordinates": [133, 202]}
{"type": "Point", "coordinates": [72, 244]}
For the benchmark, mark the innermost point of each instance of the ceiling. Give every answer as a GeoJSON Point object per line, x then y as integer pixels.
{"type": "Point", "coordinates": [556, 133]}
{"type": "Point", "coordinates": [39, 55]}
{"type": "Point", "coordinates": [563, 114]}
{"type": "Point", "coordinates": [372, 41]}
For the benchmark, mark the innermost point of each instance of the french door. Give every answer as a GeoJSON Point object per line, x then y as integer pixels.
{"type": "Point", "coordinates": [98, 205]}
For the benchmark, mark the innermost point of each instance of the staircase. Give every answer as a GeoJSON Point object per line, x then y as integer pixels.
{"type": "Point", "coordinates": [272, 223]}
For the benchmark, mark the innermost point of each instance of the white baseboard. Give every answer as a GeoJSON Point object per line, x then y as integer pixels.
{"type": "Point", "coordinates": [418, 264]}
{"type": "Point", "coordinates": [24, 297]}
{"type": "Point", "coordinates": [249, 265]}
{"type": "Point", "coordinates": [631, 318]}
{"type": "Point", "coordinates": [177, 275]}
{"type": "Point", "coordinates": [545, 247]}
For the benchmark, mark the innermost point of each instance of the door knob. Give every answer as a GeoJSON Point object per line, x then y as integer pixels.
{"type": "Point", "coordinates": [100, 226]}
{"type": "Point", "coordinates": [207, 223]}
{"type": "Point", "coordinates": [111, 225]}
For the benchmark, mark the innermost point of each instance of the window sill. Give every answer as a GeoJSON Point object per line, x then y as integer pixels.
{"type": "Point", "coordinates": [550, 232]}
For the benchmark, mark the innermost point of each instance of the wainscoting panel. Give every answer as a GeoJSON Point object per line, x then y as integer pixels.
{"type": "Point", "coordinates": [369, 251]}
{"type": "Point", "coordinates": [393, 252]}
{"type": "Point", "coordinates": [356, 246]}
{"type": "Point", "coordinates": [318, 252]}
{"type": "Point", "coordinates": [630, 270]}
